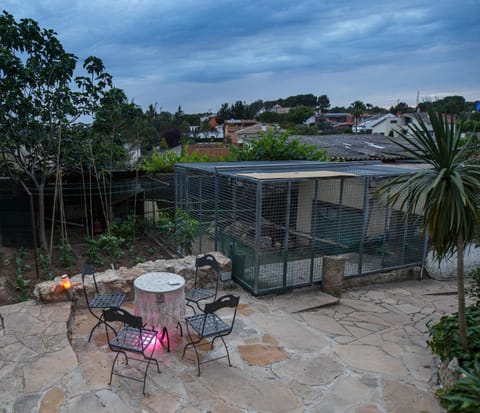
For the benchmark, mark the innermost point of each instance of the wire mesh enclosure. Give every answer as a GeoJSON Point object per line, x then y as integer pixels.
{"type": "Point", "coordinates": [277, 220]}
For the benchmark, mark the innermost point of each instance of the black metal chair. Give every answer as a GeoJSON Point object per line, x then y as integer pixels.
{"type": "Point", "coordinates": [99, 301]}
{"type": "Point", "coordinates": [196, 294]}
{"type": "Point", "coordinates": [209, 326]}
{"type": "Point", "coordinates": [131, 338]}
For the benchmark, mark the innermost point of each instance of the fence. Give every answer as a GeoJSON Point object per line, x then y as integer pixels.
{"type": "Point", "coordinates": [278, 220]}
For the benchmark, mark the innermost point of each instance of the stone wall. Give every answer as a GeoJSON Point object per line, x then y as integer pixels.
{"type": "Point", "coordinates": [121, 279]}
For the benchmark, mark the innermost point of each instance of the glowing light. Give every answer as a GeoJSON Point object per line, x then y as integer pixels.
{"type": "Point", "coordinates": [66, 284]}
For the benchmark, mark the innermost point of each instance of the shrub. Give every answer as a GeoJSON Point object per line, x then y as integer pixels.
{"type": "Point", "coordinates": [445, 340]}
{"type": "Point", "coordinates": [464, 395]}
{"type": "Point", "coordinates": [67, 257]}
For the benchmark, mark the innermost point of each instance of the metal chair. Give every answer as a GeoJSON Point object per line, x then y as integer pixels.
{"type": "Point", "coordinates": [209, 326]}
{"type": "Point", "coordinates": [99, 301]}
{"type": "Point", "coordinates": [196, 294]}
{"type": "Point", "coordinates": [131, 338]}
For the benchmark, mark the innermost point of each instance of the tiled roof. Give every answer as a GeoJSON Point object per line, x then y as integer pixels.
{"type": "Point", "coordinates": [351, 147]}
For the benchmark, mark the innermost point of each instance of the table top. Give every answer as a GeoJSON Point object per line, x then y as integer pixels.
{"type": "Point", "coordinates": [159, 282]}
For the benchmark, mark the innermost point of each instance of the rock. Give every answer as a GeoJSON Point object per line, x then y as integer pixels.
{"type": "Point", "coordinates": [121, 280]}
{"type": "Point", "coordinates": [448, 373]}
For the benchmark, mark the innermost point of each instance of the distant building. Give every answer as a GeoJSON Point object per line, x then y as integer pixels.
{"type": "Point", "coordinates": [232, 126]}
{"type": "Point", "coordinates": [279, 109]}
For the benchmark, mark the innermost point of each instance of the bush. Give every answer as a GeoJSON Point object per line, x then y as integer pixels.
{"type": "Point", "coordinates": [445, 339]}
{"type": "Point", "coordinates": [464, 395]}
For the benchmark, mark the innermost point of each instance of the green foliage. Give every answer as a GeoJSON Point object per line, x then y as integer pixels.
{"type": "Point", "coordinates": [111, 244]}
{"type": "Point", "coordinates": [92, 252]}
{"type": "Point", "coordinates": [180, 230]}
{"type": "Point", "coordinates": [186, 230]}
{"type": "Point", "coordinates": [67, 257]}
{"type": "Point", "coordinates": [164, 161]}
{"type": "Point", "coordinates": [444, 338]}
{"type": "Point", "coordinates": [160, 162]}
{"type": "Point", "coordinates": [127, 227]}
{"type": "Point", "coordinates": [270, 147]}
{"type": "Point", "coordinates": [464, 395]}
{"type": "Point", "coordinates": [447, 192]}
{"type": "Point", "coordinates": [22, 285]}
{"type": "Point", "coordinates": [44, 260]}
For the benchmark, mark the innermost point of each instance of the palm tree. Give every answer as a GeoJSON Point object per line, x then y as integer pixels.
{"type": "Point", "coordinates": [357, 108]}
{"type": "Point", "coordinates": [447, 192]}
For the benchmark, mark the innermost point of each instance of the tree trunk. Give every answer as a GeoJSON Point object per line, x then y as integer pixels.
{"type": "Point", "coordinates": [462, 321]}
{"type": "Point", "coordinates": [41, 216]}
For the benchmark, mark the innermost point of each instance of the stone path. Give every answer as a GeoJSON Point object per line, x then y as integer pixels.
{"type": "Point", "coordinates": [366, 354]}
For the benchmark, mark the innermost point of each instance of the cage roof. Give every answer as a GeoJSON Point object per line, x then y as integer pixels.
{"type": "Point", "coordinates": [292, 170]}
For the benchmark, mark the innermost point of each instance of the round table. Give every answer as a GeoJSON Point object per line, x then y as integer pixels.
{"type": "Point", "coordinates": [160, 298]}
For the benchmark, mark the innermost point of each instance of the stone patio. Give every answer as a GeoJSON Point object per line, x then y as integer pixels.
{"type": "Point", "coordinates": [366, 354]}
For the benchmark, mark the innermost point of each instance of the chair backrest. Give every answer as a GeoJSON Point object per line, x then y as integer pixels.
{"type": "Point", "coordinates": [228, 300]}
{"type": "Point", "coordinates": [128, 320]}
{"type": "Point", "coordinates": [123, 316]}
{"type": "Point", "coordinates": [210, 261]}
{"type": "Point", "coordinates": [88, 269]}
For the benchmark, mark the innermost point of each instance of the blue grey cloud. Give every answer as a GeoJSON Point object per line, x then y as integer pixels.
{"type": "Point", "coordinates": [245, 50]}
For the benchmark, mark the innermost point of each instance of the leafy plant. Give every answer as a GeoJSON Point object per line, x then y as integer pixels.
{"type": "Point", "coordinates": [444, 338]}
{"type": "Point", "coordinates": [112, 245]}
{"type": "Point", "coordinates": [464, 395]}
{"type": "Point", "coordinates": [185, 230]}
{"type": "Point", "coordinates": [128, 227]}
{"type": "Point", "coordinates": [93, 252]}
{"type": "Point", "coordinates": [22, 285]}
{"type": "Point", "coordinates": [180, 229]}
{"type": "Point", "coordinates": [44, 260]}
{"type": "Point", "coordinates": [67, 257]}
{"type": "Point", "coordinates": [270, 147]}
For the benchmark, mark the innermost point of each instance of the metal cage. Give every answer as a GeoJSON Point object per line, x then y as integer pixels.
{"type": "Point", "coordinates": [277, 220]}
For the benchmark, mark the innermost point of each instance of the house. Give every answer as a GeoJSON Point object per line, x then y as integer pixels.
{"type": "Point", "coordinates": [280, 110]}
{"type": "Point", "coordinates": [252, 132]}
{"type": "Point", "coordinates": [381, 124]}
{"type": "Point", "coordinates": [232, 126]}
{"type": "Point", "coordinates": [338, 118]}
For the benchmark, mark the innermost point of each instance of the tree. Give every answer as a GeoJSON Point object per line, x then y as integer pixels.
{"type": "Point", "coordinates": [299, 114]}
{"type": "Point", "coordinates": [323, 103]}
{"type": "Point", "coordinates": [36, 103]}
{"type": "Point", "coordinates": [447, 192]}
{"type": "Point", "coordinates": [38, 106]}
{"type": "Point", "coordinates": [270, 147]}
{"type": "Point", "coordinates": [356, 109]}
{"type": "Point", "coordinates": [401, 107]}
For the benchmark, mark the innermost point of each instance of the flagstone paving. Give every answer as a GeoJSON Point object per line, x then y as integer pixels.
{"type": "Point", "coordinates": [364, 354]}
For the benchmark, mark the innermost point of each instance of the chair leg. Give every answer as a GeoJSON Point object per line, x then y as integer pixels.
{"type": "Point", "coordinates": [148, 364]}
{"type": "Point", "coordinates": [93, 329]}
{"type": "Point", "coordinates": [228, 354]}
{"type": "Point", "coordinates": [193, 344]}
{"type": "Point", "coordinates": [165, 334]}
{"type": "Point", "coordinates": [179, 326]}
{"type": "Point", "coordinates": [188, 304]}
{"type": "Point", "coordinates": [113, 366]}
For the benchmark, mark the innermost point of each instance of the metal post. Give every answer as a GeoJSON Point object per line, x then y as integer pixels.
{"type": "Point", "coordinates": [285, 241]}
{"type": "Point", "coordinates": [366, 214]}
{"type": "Point", "coordinates": [313, 231]}
{"type": "Point", "coordinates": [216, 211]}
{"type": "Point", "coordinates": [258, 230]}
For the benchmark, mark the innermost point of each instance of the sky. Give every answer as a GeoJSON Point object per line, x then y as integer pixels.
{"type": "Point", "coordinates": [202, 53]}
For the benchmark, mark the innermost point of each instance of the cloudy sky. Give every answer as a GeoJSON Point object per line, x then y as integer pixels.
{"type": "Point", "coordinates": [202, 53]}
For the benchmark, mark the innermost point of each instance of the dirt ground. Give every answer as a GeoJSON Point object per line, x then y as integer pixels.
{"type": "Point", "coordinates": [144, 249]}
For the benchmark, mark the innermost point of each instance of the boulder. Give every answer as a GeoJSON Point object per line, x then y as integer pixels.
{"type": "Point", "coordinates": [121, 280]}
